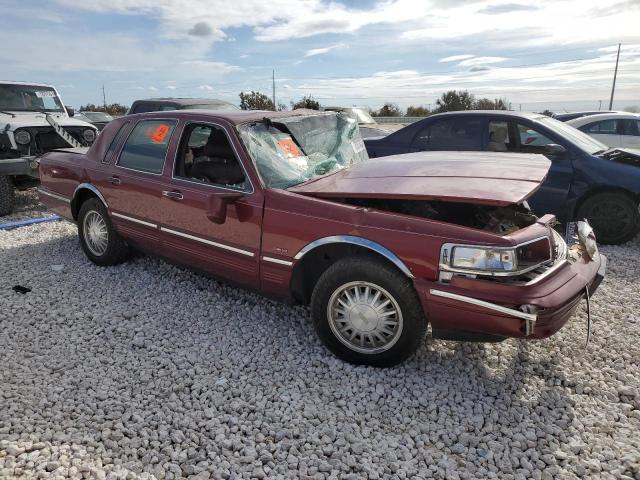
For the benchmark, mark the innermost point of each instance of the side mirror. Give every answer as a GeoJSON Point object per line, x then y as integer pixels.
{"type": "Point", "coordinates": [70, 111]}
{"type": "Point", "coordinates": [554, 150]}
{"type": "Point", "coordinates": [217, 211]}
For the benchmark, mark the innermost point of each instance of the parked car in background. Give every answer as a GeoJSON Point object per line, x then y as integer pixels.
{"type": "Point", "coordinates": [288, 203]}
{"type": "Point", "coordinates": [564, 117]}
{"type": "Point", "coordinates": [168, 104]}
{"type": "Point", "coordinates": [33, 121]}
{"type": "Point", "coordinates": [99, 119]}
{"type": "Point", "coordinates": [368, 126]}
{"type": "Point", "coordinates": [612, 129]}
{"type": "Point", "coordinates": [587, 179]}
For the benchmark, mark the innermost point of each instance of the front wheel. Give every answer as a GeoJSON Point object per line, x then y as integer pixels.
{"type": "Point", "coordinates": [613, 216]}
{"type": "Point", "coordinates": [366, 312]}
{"type": "Point", "coordinates": [99, 240]}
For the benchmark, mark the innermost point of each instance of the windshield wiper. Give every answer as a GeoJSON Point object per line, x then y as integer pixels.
{"type": "Point", "coordinates": [8, 113]}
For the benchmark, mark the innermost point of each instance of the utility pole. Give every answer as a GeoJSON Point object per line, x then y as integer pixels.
{"type": "Point", "coordinates": [273, 83]}
{"type": "Point", "coordinates": [600, 106]}
{"type": "Point", "coordinates": [615, 74]}
{"type": "Point", "coordinates": [104, 98]}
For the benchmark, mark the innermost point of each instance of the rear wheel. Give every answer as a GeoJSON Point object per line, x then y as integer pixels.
{"type": "Point", "coordinates": [7, 196]}
{"type": "Point", "coordinates": [366, 312]}
{"type": "Point", "coordinates": [613, 216]}
{"type": "Point", "coordinates": [99, 240]}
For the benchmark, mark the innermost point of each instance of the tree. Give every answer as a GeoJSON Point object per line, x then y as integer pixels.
{"type": "Point", "coordinates": [488, 104]}
{"type": "Point", "coordinates": [387, 110]}
{"type": "Point", "coordinates": [114, 109]}
{"type": "Point", "coordinates": [306, 102]}
{"type": "Point", "coordinates": [255, 101]}
{"type": "Point", "coordinates": [547, 112]}
{"type": "Point", "coordinates": [632, 109]}
{"type": "Point", "coordinates": [418, 111]}
{"type": "Point", "coordinates": [453, 101]}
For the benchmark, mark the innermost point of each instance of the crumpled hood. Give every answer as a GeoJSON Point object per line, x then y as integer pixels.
{"type": "Point", "coordinates": [35, 119]}
{"type": "Point", "coordinates": [488, 178]}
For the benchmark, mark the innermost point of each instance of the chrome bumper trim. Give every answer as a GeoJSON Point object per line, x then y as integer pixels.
{"type": "Point", "coordinates": [62, 198]}
{"type": "Point", "coordinates": [277, 260]}
{"type": "Point", "coordinates": [530, 318]}
{"type": "Point", "coordinates": [208, 242]}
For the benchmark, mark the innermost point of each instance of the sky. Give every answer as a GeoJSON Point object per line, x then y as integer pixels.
{"type": "Point", "coordinates": [558, 55]}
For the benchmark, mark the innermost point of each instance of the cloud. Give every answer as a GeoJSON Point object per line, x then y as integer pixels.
{"type": "Point", "coordinates": [455, 58]}
{"type": "Point", "coordinates": [208, 88]}
{"type": "Point", "coordinates": [470, 62]}
{"type": "Point", "coordinates": [506, 8]}
{"type": "Point", "coordinates": [321, 51]}
{"type": "Point", "coordinates": [201, 29]}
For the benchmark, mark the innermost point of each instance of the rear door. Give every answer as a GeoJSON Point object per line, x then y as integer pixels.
{"type": "Point", "coordinates": [207, 172]}
{"type": "Point", "coordinates": [630, 133]}
{"type": "Point", "coordinates": [132, 185]}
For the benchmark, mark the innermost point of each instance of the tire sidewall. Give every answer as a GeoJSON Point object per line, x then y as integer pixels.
{"type": "Point", "coordinates": [396, 284]}
{"type": "Point", "coordinates": [624, 202]}
{"type": "Point", "coordinates": [115, 246]}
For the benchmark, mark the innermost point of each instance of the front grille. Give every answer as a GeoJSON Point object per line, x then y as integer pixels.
{"type": "Point", "coordinates": [46, 139]}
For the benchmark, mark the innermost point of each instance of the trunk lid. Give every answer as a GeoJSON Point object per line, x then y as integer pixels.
{"type": "Point", "coordinates": [487, 178]}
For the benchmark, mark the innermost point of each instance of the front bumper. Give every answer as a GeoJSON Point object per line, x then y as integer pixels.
{"type": "Point", "coordinates": [26, 165]}
{"type": "Point", "coordinates": [536, 309]}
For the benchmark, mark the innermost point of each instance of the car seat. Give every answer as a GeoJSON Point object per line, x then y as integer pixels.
{"type": "Point", "coordinates": [497, 140]}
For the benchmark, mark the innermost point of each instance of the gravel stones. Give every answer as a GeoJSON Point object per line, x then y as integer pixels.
{"type": "Point", "coordinates": [146, 371]}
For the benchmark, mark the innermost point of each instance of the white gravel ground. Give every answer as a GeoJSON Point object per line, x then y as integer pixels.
{"type": "Point", "coordinates": [148, 371]}
{"type": "Point", "coordinates": [27, 206]}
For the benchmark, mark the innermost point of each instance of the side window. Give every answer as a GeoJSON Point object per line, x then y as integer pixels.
{"type": "Point", "coordinates": [145, 107]}
{"type": "Point", "coordinates": [117, 138]}
{"type": "Point", "coordinates": [603, 127]}
{"type": "Point", "coordinates": [146, 148]}
{"type": "Point", "coordinates": [450, 134]}
{"type": "Point", "coordinates": [206, 156]}
{"type": "Point", "coordinates": [630, 127]}
{"type": "Point", "coordinates": [499, 140]}
{"type": "Point", "coordinates": [167, 108]}
{"type": "Point", "coordinates": [531, 141]}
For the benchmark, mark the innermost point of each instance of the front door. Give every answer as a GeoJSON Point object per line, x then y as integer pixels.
{"type": "Point", "coordinates": [211, 217]}
{"type": "Point", "coordinates": [133, 185]}
{"type": "Point", "coordinates": [514, 136]}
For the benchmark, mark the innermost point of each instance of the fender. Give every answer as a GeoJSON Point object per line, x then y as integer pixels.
{"type": "Point", "coordinates": [360, 241]}
{"type": "Point", "coordinates": [90, 187]}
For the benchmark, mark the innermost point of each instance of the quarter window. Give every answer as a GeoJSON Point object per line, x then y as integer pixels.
{"type": "Point", "coordinates": [450, 134]}
{"type": "Point", "coordinates": [146, 147]}
{"type": "Point", "coordinates": [108, 156]}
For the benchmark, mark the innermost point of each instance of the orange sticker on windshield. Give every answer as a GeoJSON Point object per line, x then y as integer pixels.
{"type": "Point", "coordinates": [289, 147]}
{"type": "Point", "coordinates": [160, 133]}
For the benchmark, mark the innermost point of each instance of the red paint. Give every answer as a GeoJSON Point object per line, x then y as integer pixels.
{"type": "Point", "coordinates": [279, 223]}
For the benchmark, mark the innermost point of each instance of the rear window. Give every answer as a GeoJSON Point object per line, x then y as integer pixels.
{"type": "Point", "coordinates": [146, 147]}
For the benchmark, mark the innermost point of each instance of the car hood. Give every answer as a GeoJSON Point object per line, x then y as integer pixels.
{"type": "Point", "coordinates": [470, 177]}
{"type": "Point", "coordinates": [29, 119]}
{"type": "Point", "coordinates": [630, 156]}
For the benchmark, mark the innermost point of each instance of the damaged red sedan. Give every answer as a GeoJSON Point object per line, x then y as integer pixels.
{"type": "Point", "coordinates": [289, 204]}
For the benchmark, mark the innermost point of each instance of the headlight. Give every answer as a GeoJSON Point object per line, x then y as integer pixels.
{"type": "Point", "coordinates": [471, 258]}
{"type": "Point", "coordinates": [89, 135]}
{"type": "Point", "coordinates": [22, 137]}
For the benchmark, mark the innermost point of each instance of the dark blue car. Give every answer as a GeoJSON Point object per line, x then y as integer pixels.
{"type": "Point", "coordinates": [586, 180]}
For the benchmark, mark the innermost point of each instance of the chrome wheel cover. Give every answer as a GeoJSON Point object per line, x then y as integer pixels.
{"type": "Point", "coordinates": [364, 317]}
{"type": "Point", "coordinates": [96, 234]}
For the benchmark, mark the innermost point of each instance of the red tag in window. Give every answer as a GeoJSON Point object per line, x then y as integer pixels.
{"type": "Point", "coordinates": [160, 133]}
{"type": "Point", "coordinates": [289, 147]}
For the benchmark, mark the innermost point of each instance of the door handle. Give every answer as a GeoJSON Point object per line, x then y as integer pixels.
{"type": "Point", "coordinates": [115, 180]}
{"type": "Point", "coordinates": [174, 195]}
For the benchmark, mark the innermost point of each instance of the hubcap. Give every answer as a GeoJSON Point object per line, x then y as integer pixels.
{"type": "Point", "coordinates": [609, 218]}
{"type": "Point", "coordinates": [95, 233]}
{"type": "Point", "coordinates": [364, 317]}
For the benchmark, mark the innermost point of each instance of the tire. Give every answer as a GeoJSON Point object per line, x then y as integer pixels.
{"type": "Point", "coordinates": [93, 225]}
{"type": "Point", "coordinates": [353, 275]}
{"type": "Point", "coordinates": [614, 217]}
{"type": "Point", "coordinates": [7, 196]}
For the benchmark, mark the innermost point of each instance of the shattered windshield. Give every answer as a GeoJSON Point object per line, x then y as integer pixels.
{"type": "Point", "coordinates": [293, 150]}
{"type": "Point", "coordinates": [29, 98]}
